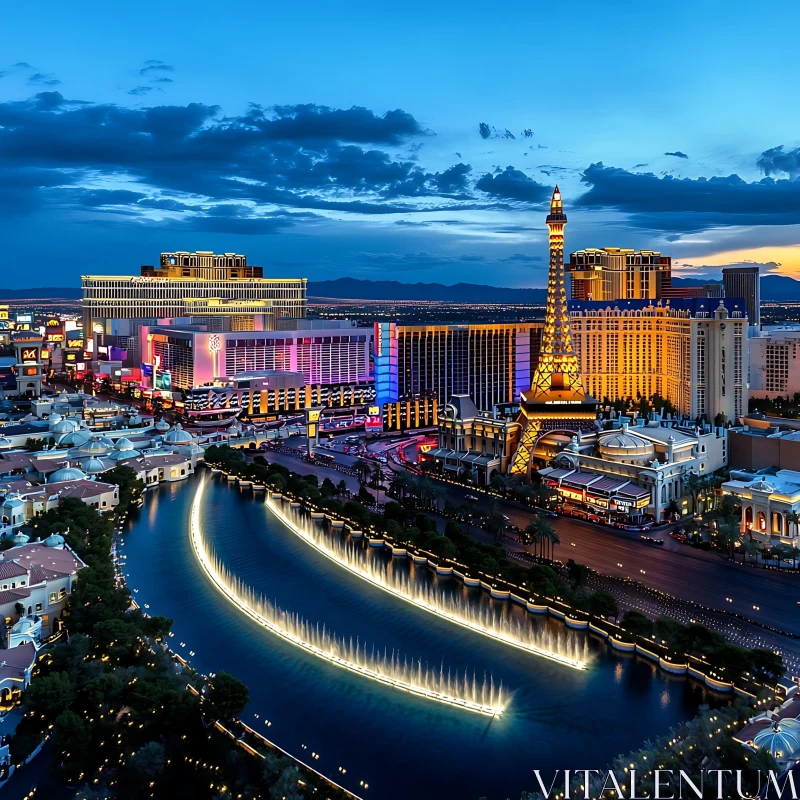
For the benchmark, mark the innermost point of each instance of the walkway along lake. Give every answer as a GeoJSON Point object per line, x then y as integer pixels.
{"type": "Point", "coordinates": [398, 744]}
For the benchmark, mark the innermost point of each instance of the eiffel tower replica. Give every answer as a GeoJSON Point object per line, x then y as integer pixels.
{"type": "Point", "coordinates": [556, 400]}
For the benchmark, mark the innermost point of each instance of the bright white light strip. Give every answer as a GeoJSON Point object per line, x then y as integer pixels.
{"type": "Point", "coordinates": [242, 602]}
{"type": "Point", "coordinates": [420, 603]}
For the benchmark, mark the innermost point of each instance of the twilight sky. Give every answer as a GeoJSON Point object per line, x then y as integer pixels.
{"type": "Point", "coordinates": [414, 141]}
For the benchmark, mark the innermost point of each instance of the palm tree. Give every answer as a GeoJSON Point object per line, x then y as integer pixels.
{"type": "Point", "coordinates": [496, 525]}
{"type": "Point", "coordinates": [554, 539]}
{"type": "Point", "coordinates": [401, 484]}
{"type": "Point", "coordinates": [535, 530]}
{"type": "Point", "coordinates": [694, 483]}
{"type": "Point", "coordinates": [363, 470]}
{"type": "Point", "coordinates": [751, 548]}
{"type": "Point", "coordinates": [729, 532]}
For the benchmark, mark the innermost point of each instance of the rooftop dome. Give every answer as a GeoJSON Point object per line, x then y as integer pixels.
{"type": "Point", "coordinates": [782, 739]}
{"type": "Point", "coordinates": [5, 441]}
{"type": "Point", "coordinates": [66, 474]}
{"type": "Point", "coordinates": [177, 435]}
{"type": "Point", "coordinates": [134, 421]}
{"type": "Point", "coordinates": [92, 466]}
{"type": "Point", "coordinates": [94, 446]}
{"type": "Point", "coordinates": [75, 438]}
{"type": "Point", "coordinates": [626, 447]}
{"type": "Point", "coordinates": [123, 444]}
{"type": "Point", "coordinates": [54, 540]}
{"type": "Point", "coordinates": [53, 418]}
{"type": "Point", "coordinates": [64, 425]}
{"type": "Point", "coordinates": [20, 538]}
{"type": "Point", "coordinates": [162, 425]}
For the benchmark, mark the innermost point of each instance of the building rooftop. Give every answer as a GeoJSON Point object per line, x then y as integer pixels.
{"type": "Point", "coordinates": [692, 306]}
{"type": "Point", "coordinates": [54, 562]}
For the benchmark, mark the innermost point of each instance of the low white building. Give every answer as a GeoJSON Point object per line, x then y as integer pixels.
{"type": "Point", "coordinates": [35, 581]}
{"type": "Point", "coordinates": [651, 456]}
{"type": "Point", "coordinates": [24, 501]}
{"type": "Point", "coordinates": [768, 503]}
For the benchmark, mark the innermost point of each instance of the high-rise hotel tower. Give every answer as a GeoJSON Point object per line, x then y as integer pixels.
{"type": "Point", "coordinates": [202, 285]}
{"type": "Point", "coordinates": [556, 400]}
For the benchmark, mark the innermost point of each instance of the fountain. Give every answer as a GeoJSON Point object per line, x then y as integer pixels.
{"type": "Point", "coordinates": [563, 648]}
{"type": "Point", "coordinates": [390, 668]}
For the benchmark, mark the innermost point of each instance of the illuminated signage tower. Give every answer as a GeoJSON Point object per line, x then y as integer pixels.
{"type": "Point", "coordinates": [28, 346]}
{"type": "Point", "coordinates": [556, 400]}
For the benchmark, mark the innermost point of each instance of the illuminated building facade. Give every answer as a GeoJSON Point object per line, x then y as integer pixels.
{"type": "Point", "coordinates": [191, 284]}
{"type": "Point", "coordinates": [693, 353]}
{"type": "Point", "coordinates": [31, 363]}
{"type": "Point", "coordinates": [556, 400]}
{"type": "Point", "coordinates": [491, 363]}
{"type": "Point", "coordinates": [612, 273]}
{"type": "Point", "coordinates": [184, 357]}
{"type": "Point", "coordinates": [633, 468]}
{"type": "Point", "coordinates": [266, 396]}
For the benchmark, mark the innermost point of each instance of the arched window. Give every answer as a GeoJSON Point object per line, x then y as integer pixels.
{"type": "Point", "coordinates": [748, 517]}
{"type": "Point", "coordinates": [761, 521]}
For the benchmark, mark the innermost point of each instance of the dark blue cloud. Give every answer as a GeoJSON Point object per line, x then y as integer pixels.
{"type": "Point", "coordinates": [42, 79]}
{"type": "Point", "coordinates": [677, 154]}
{"type": "Point", "coordinates": [511, 184]}
{"type": "Point", "coordinates": [155, 67]}
{"type": "Point", "coordinates": [300, 156]}
{"type": "Point", "coordinates": [776, 160]}
{"type": "Point", "coordinates": [691, 204]}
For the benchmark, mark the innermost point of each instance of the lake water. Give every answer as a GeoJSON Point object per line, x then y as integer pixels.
{"type": "Point", "coordinates": [400, 745]}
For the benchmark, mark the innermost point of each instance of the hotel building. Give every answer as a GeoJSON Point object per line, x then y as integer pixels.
{"type": "Point", "coordinates": [612, 273]}
{"type": "Point", "coordinates": [774, 365]}
{"type": "Point", "coordinates": [691, 352]}
{"type": "Point", "coordinates": [745, 282]}
{"type": "Point", "coordinates": [323, 352]}
{"type": "Point", "coordinates": [203, 285]}
{"type": "Point", "coordinates": [491, 363]}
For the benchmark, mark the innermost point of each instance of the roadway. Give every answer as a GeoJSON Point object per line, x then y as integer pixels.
{"type": "Point", "coordinates": [765, 596]}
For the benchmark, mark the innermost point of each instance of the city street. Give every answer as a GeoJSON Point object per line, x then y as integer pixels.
{"type": "Point", "coordinates": [765, 596]}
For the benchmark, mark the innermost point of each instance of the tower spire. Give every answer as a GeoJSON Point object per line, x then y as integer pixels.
{"type": "Point", "coordinates": [556, 399]}
{"type": "Point", "coordinates": [558, 368]}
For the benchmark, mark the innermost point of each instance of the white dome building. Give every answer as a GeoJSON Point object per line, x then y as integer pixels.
{"type": "Point", "coordinates": [63, 425]}
{"type": "Point", "coordinates": [76, 438]}
{"type": "Point", "coordinates": [54, 540]}
{"type": "Point", "coordinates": [66, 473]}
{"type": "Point", "coordinates": [93, 466]}
{"type": "Point", "coordinates": [162, 426]}
{"type": "Point", "coordinates": [94, 447]}
{"type": "Point", "coordinates": [781, 739]}
{"type": "Point", "coordinates": [626, 447]}
{"type": "Point", "coordinates": [177, 435]}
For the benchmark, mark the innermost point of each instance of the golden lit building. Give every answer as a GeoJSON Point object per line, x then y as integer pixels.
{"type": "Point", "coordinates": [613, 273]}
{"type": "Point", "coordinates": [692, 352]}
{"type": "Point", "coordinates": [191, 284]}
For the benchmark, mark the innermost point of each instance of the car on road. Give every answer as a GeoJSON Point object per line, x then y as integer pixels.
{"type": "Point", "coordinates": [546, 512]}
{"type": "Point", "coordinates": [679, 535]}
{"type": "Point", "coordinates": [652, 540]}
{"type": "Point", "coordinates": [471, 498]}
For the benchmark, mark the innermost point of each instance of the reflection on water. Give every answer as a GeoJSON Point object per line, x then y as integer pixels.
{"type": "Point", "coordinates": [403, 746]}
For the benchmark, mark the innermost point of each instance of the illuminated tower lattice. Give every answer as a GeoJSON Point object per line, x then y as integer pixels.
{"type": "Point", "coordinates": [556, 400]}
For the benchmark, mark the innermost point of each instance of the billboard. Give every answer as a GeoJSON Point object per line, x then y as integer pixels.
{"type": "Point", "coordinates": [164, 381]}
